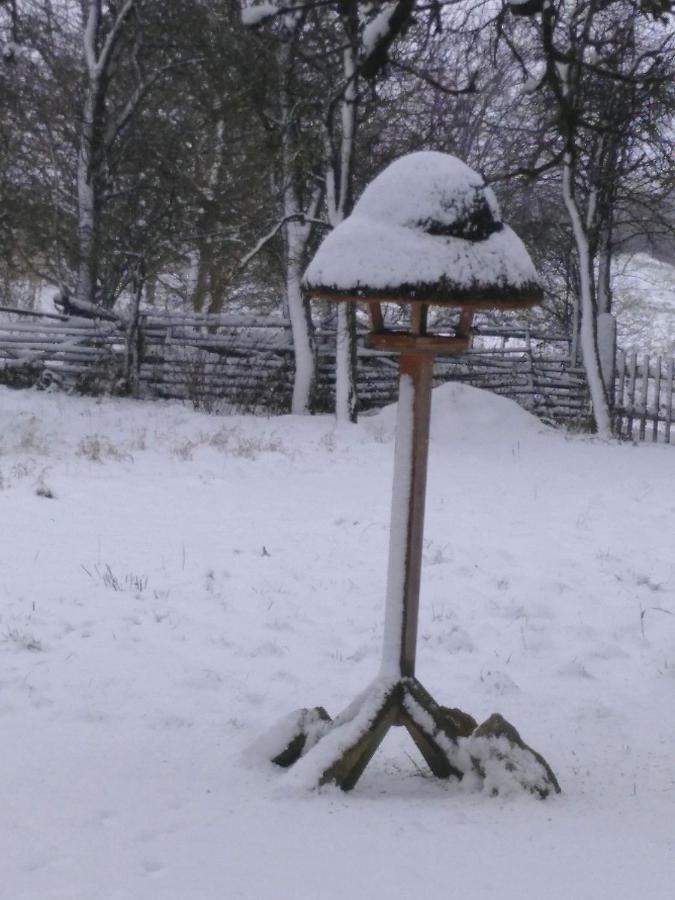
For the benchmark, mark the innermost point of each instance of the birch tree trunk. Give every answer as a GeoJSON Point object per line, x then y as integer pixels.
{"type": "Point", "coordinates": [98, 50]}
{"type": "Point", "coordinates": [339, 178]}
{"type": "Point", "coordinates": [604, 280]}
{"type": "Point", "coordinates": [297, 232]}
{"type": "Point", "coordinates": [363, 34]}
{"type": "Point", "coordinates": [209, 282]}
{"type": "Point", "coordinates": [87, 206]}
{"type": "Point", "coordinates": [299, 314]}
{"type": "Point", "coordinates": [589, 347]}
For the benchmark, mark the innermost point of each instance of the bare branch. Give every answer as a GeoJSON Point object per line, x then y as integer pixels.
{"type": "Point", "coordinates": [470, 88]}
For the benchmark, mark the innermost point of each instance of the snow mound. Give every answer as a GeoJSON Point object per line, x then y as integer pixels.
{"type": "Point", "coordinates": [431, 191]}
{"type": "Point", "coordinates": [461, 412]}
{"type": "Point", "coordinates": [427, 223]}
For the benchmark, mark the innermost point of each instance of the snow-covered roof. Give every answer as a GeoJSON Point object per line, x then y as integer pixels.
{"type": "Point", "coordinates": [426, 228]}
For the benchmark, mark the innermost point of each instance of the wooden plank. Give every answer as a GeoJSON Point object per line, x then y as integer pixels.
{"type": "Point", "coordinates": [30, 340]}
{"type": "Point", "coordinates": [657, 399]}
{"type": "Point", "coordinates": [463, 328]}
{"type": "Point", "coordinates": [518, 299]}
{"type": "Point", "coordinates": [519, 333]}
{"type": "Point", "coordinates": [644, 397]}
{"type": "Point", "coordinates": [206, 320]}
{"type": "Point", "coordinates": [419, 315]}
{"type": "Point", "coordinates": [31, 313]}
{"type": "Point", "coordinates": [376, 318]}
{"type": "Point", "coordinates": [619, 390]}
{"type": "Point", "coordinates": [630, 400]}
{"type": "Point", "coordinates": [412, 343]}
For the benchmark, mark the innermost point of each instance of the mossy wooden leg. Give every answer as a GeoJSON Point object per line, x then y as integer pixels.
{"type": "Point", "coordinates": [452, 722]}
{"type": "Point", "coordinates": [463, 722]}
{"type": "Point", "coordinates": [308, 723]}
{"type": "Point", "coordinates": [359, 730]}
{"type": "Point", "coordinates": [434, 755]}
{"type": "Point", "coordinates": [347, 770]}
{"type": "Point", "coordinates": [426, 722]}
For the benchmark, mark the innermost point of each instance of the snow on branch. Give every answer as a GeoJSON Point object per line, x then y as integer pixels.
{"type": "Point", "coordinates": [11, 47]}
{"type": "Point", "coordinates": [525, 7]}
{"type": "Point", "coordinates": [259, 13]}
{"type": "Point", "coordinates": [471, 87]}
{"type": "Point", "coordinates": [10, 51]}
{"type": "Point", "coordinates": [378, 28]}
{"type": "Point", "coordinates": [70, 305]}
{"type": "Point", "coordinates": [381, 32]}
{"type": "Point", "coordinates": [90, 33]}
{"type": "Point", "coordinates": [379, 24]}
{"type": "Point", "coordinates": [256, 14]}
{"type": "Point", "coordinates": [301, 218]}
{"type": "Point", "coordinates": [98, 61]}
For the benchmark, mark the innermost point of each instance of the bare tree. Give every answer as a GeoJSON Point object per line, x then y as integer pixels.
{"type": "Point", "coordinates": [339, 45]}
{"type": "Point", "coordinates": [589, 67]}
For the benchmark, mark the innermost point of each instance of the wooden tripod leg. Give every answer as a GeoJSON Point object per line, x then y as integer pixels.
{"type": "Point", "coordinates": [425, 724]}
{"type": "Point", "coordinates": [309, 723]}
{"type": "Point", "coordinates": [451, 721]}
{"type": "Point", "coordinates": [347, 770]}
{"type": "Point", "coordinates": [434, 755]}
{"type": "Point", "coordinates": [430, 726]}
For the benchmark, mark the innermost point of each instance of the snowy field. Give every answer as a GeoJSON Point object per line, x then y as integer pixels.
{"type": "Point", "coordinates": [172, 583]}
{"type": "Point", "coordinates": [644, 294]}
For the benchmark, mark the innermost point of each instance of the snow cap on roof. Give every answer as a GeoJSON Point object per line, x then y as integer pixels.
{"type": "Point", "coordinates": [427, 227]}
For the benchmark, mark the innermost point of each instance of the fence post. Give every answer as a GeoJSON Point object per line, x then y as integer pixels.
{"type": "Point", "coordinates": [644, 398]}
{"type": "Point", "coordinates": [632, 380]}
{"type": "Point", "coordinates": [134, 335]}
{"type": "Point", "coordinates": [619, 391]}
{"type": "Point", "coordinates": [530, 373]}
{"type": "Point", "coordinates": [657, 399]}
{"type": "Point", "coordinates": [607, 352]}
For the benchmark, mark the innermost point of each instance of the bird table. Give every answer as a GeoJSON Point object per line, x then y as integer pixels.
{"type": "Point", "coordinates": [396, 697]}
{"type": "Point", "coordinates": [425, 233]}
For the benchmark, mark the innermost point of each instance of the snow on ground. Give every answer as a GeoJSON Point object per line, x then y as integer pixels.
{"type": "Point", "coordinates": [173, 583]}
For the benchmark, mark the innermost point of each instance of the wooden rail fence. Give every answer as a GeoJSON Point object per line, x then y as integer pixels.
{"type": "Point", "coordinates": [643, 398]}
{"type": "Point", "coordinates": [247, 361]}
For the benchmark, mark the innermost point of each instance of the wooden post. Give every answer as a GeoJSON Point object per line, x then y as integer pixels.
{"type": "Point", "coordinates": [396, 697]}
{"type": "Point", "coordinates": [657, 399]}
{"type": "Point", "coordinates": [632, 378]}
{"type": "Point", "coordinates": [619, 392]}
{"type": "Point", "coordinates": [407, 515]}
{"type": "Point", "coordinates": [133, 338]}
{"type": "Point", "coordinates": [644, 399]}
{"type": "Point", "coordinates": [606, 326]}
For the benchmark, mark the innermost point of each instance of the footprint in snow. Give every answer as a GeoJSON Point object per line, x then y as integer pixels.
{"type": "Point", "coordinates": [496, 682]}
